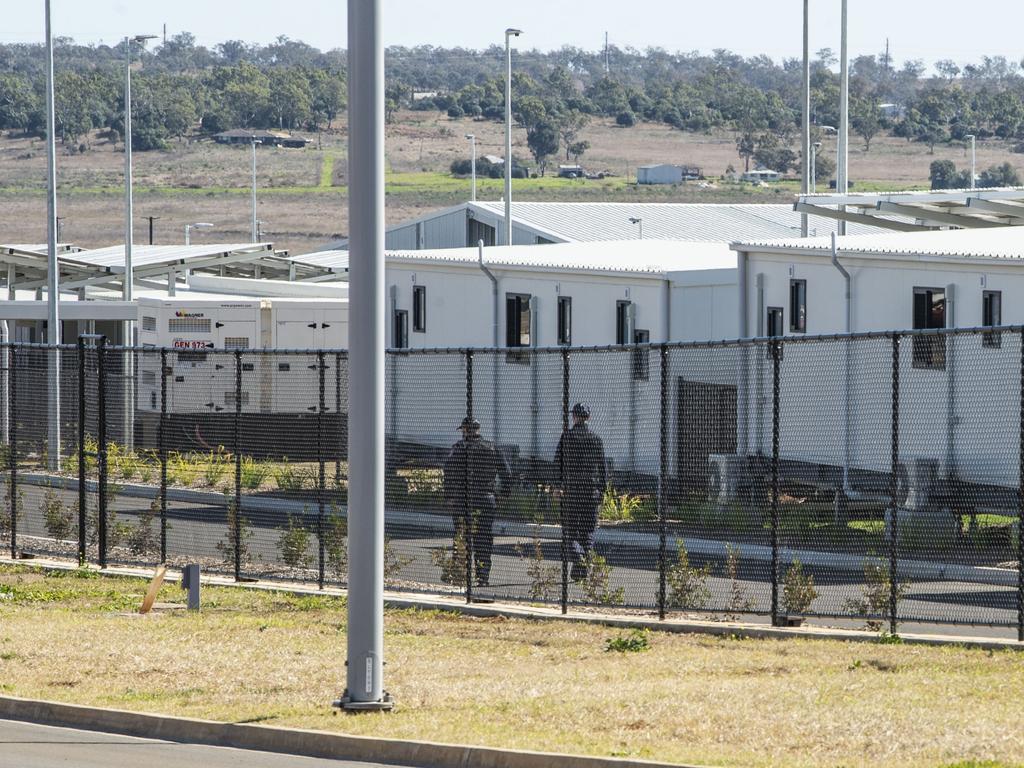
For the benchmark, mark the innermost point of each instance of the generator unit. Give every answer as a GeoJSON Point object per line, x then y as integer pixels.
{"type": "Point", "coordinates": [202, 330]}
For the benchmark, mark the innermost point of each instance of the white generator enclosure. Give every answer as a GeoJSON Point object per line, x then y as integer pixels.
{"type": "Point", "coordinates": [201, 332]}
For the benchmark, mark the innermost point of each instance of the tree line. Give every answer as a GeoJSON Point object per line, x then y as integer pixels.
{"type": "Point", "coordinates": [184, 88]}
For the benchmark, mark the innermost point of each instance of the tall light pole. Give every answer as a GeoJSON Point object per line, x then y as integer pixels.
{"type": "Point", "coordinates": [842, 174]}
{"type": "Point", "coordinates": [128, 327]}
{"type": "Point", "coordinates": [640, 222]}
{"type": "Point", "coordinates": [472, 166]}
{"type": "Point", "coordinates": [190, 227]}
{"type": "Point", "coordinates": [255, 223]}
{"type": "Point", "coordinates": [806, 183]}
{"type": "Point", "coordinates": [365, 663]}
{"type": "Point", "coordinates": [53, 270]}
{"type": "Point", "coordinates": [974, 158]}
{"type": "Point", "coordinates": [814, 166]}
{"type": "Point", "coordinates": [509, 34]}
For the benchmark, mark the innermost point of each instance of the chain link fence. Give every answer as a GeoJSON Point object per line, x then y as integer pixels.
{"type": "Point", "coordinates": [874, 477]}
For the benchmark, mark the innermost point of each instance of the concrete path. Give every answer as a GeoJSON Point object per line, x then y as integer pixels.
{"type": "Point", "coordinates": [26, 745]}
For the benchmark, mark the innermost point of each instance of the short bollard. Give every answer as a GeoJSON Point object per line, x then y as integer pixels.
{"type": "Point", "coordinates": [190, 581]}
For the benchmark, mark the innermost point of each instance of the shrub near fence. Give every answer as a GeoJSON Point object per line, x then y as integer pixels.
{"type": "Point", "coordinates": [873, 476]}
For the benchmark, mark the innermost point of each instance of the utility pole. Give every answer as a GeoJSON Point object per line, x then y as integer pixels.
{"type": "Point", "coordinates": [365, 663]}
{"type": "Point", "coordinates": [509, 34]}
{"type": "Point", "coordinates": [842, 174]}
{"type": "Point", "coordinates": [53, 268]}
{"type": "Point", "coordinates": [151, 220]}
{"type": "Point", "coordinates": [806, 181]}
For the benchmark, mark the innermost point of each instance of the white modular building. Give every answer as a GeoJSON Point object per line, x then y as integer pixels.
{"type": "Point", "coordinates": [659, 173]}
{"type": "Point", "coordinates": [961, 395]}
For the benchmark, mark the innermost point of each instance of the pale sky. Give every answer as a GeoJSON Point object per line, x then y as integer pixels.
{"type": "Point", "coordinates": [918, 29]}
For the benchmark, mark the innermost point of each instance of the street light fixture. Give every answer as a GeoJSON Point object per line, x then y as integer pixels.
{"type": "Point", "coordinates": [472, 167]}
{"type": "Point", "coordinates": [509, 34]}
{"type": "Point", "coordinates": [640, 222]}
{"type": "Point", "coordinates": [255, 224]}
{"type": "Point", "coordinates": [190, 227]}
{"type": "Point", "coordinates": [128, 327]}
{"type": "Point", "coordinates": [974, 176]}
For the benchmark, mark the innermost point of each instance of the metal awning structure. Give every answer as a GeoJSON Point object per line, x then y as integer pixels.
{"type": "Point", "coordinates": [152, 264]}
{"type": "Point", "coordinates": [334, 263]}
{"type": "Point", "coordinates": [922, 211]}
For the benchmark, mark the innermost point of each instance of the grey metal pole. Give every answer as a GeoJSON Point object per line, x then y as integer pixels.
{"type": "Point", "coordinates": [509, 33]}
{"type": "Point", "coordinates": [842, 174]}
{"type": "Point", "coordinates": [974, 158]}
{"type": "Point", "coordinates": [472, 171]}
{"type": "Point", "coordinates": [805, 186]}
{"type": "Point", "coordinates": [53, 269]}
{"type": "Point", "coordinates": [255, 224]}
{"type": "Point", "coordinates": [127, 327]}
{"type": "Point", "coordinates": [365, 665]}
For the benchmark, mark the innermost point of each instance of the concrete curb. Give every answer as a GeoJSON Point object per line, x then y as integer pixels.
{"type": "Point", "coordinates": [921, 570]}
{"type": "Point", "coordinates": [457, 604]}
{"type": "Point", "coordinates": [319, 744]}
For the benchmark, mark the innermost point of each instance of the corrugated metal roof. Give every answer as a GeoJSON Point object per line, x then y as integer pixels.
{"type": "Point", "coordinates": [642, 257]}
{"type": "Point", "coordinates": [995, 243]}
{"type": "Point", "coordinates": [112, 257]}
{"type": "Point", "coordinates": [588, 222]}
{"type": "Point", "coordinates": [335, 260]}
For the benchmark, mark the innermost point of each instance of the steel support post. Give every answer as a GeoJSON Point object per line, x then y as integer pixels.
{"type": "Point", "coordinates": [1020, 501]}
{"type": "Point", "coordinates": [52, 266]}
{"type": "Point", "coordinates": [893, 482]}
{"type": "Point", "coordinates": [339, 444]}
{"type": "Point", "coordinates": [81, 453]}
{"type": "Point", "coordinates": [162, 449]}
{"type": "Point", "coordinates": [365, 663]}
{"type": "Point", "coordinates": [564, 548]}
{"type": "Point", "coordinates": [236, 534]}
{"type": "Point", "coordinates": [776, 348]}
{"type": "Point", "coordinates": [101, 447]}
{"type": "Point", "coordinates": [467, 496]}
{"type": "Point", "coordinates": [322, 477]}
{"type": "Point", "coordinates": [12, 457]}
{"type": "Point", "coordinates": [663, 483]}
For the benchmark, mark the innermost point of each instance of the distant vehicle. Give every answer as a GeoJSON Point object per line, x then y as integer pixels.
{"type": "Point", "coordinates": [571, 172]}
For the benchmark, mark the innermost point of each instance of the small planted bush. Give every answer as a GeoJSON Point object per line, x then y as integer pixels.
{"type": "Point", "coordinates": [687, 585]}
{"type": "Point", "coordinates": [294, 544]}
{"type": "Point", "coordinates": [595, 585]}
{"type": "Point", "coordinates": [57, 519]}
{"type": "Point", "coordinates": [253, 474]}
{"type": "Point", "coordinates": [798, 590]}
{"type": "Point", "coordinates": [634, 641]}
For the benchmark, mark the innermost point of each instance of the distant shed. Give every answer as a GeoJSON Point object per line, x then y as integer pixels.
{"type": "Point", "coordinates": [659, 173]}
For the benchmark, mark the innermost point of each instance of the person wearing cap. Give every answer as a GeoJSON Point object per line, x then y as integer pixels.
{"type": "Point", "coordinates": [471, 474]}
{"type": "Point", "coordinates": [582, 476]}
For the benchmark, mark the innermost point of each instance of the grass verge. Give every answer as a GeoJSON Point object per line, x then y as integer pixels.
{"type": "Point", "coordinates": [277, 658]}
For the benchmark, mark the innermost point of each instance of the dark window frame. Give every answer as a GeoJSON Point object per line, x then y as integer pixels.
{"type": "Point", "coordinates": [929, 351]}
{"type": "Point", "coordinates": [518, 312]}
{"type": "Point", "coordinates": [400, 329]}
{"type": "Point", "coordinates": [565, 321]}
{"type": "Point", "coordinates": [641, 355]}
{"type": "Point", "coordinates": [991, 317]}
{"type": "Point", "coordinates": [419, 309]}
{"type": "Point", "coordinates": [798, 306]}
{"type": "Point", "coordinates": [622, 322]}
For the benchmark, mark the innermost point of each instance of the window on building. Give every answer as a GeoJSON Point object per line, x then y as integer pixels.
{"type": "Point", "coordinates": [774, 328]}
{"type": "Point", "coordinates": [517, 320]}
{"type": "Point", "coordinates": [641, 355]}
{"type": "Point", "coordinates": [991, 316]}
{"type": "Point", "coordinates": [419, 308]}
{"type": "Point", "coordinates": [477, 231]}
{"type": "Point", "coordinates": [798, 306]}
{"type": "Point", "coordinates": [622, 320]}
{"type": "Point", "coordinates": [400, 329]}
{"type": "Point", "coordinates": [565, 321]}
{"type": "Point", "coordinates": [929, 313]}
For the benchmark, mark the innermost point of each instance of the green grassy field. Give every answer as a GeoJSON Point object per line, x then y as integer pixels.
{"type": "Point", "coordinates": [278, 659]}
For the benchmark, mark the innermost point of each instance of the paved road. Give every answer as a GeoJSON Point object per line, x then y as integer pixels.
{"type": "Point", "coordinates": [26, 745]}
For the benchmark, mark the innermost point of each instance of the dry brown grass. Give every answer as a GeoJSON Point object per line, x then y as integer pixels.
{"type": "Point", "coordinates": [511, 683]}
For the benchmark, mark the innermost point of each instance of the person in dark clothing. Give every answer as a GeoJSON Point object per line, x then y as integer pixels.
{"type": "Point", "coordinates": [582, 475]}
{"type": "Point", "coordinates": [471, 472]}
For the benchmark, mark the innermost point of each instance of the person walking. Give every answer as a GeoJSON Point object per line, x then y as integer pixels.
{"type": "Point", "coordinates": [582, 475]}
{"type": "Point", "coordinates": [471, 474]}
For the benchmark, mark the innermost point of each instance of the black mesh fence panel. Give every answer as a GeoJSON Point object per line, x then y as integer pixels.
{"type": "Point", "coordinates": [872, 478]}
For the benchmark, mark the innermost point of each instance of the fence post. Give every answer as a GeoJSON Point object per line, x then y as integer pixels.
{"type": "Point", "coordinates": [162, 450]}
{"type": "Point", "coordinates": [662, 482]}
{"type": "Point", "coordinates": [12, 395]}
{"type": "Point", "coordinates": [563, 548]}
{"type": "Point", "coordinates": [337, 411]}
{"type": "Point", "coordinates": [1020, 503]}
{"type": "Point", "coordinates": [101, 446]}
{"type": "Point", "coordinates": [237, 437]}
{"type": "Point", "coordinates": [467, 493]}
{"type": "Point", "coordinates": [893, 481]}
{"type": "Point", "coordinates": [322, 478]}
{"type": "Point", "coordinates": [776, 347]}
{"type": "Point", "coordinates": [81, 453]}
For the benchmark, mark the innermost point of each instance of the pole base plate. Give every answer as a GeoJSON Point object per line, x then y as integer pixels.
{"type": "Point", "coordinates": [386, 704]}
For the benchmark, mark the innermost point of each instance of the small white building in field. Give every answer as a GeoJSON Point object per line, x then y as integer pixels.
{"type": "Point", "coordinates": [659, 173]}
